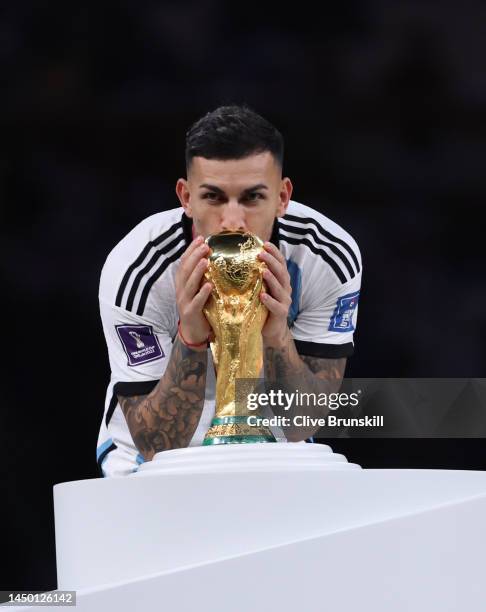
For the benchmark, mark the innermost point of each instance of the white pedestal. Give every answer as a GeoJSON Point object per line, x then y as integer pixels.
{"type": "Point", "coordinates": [273, 527]}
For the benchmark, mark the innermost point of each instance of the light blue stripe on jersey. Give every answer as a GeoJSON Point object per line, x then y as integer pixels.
{"type": "Point", "coordinates": [139, 459]}
{"type": "Point", "coordinates": [101, 449]}
{"type": "Point", "coordinates": [295, 274]}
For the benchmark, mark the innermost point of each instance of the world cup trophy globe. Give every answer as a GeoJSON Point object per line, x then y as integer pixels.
{"type": "Point", "coordinates": [237, 316]}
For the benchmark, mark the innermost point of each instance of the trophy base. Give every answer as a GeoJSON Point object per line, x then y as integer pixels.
{"type": "Point", "coordinates": [235, 430]}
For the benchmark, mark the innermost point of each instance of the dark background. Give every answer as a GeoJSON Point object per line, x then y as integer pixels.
{"type": "Point", "coordinates": [382, 104]}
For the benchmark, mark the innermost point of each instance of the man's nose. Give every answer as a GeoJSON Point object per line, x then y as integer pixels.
{"type": "Point", "coordinates": [233, 217]}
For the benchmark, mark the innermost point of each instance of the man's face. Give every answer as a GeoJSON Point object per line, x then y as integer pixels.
{"type": "Point", "coordinates": [242, 194]}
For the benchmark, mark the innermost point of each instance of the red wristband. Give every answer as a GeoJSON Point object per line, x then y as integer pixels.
{"type": "Point", "coordinates": [189, 344]}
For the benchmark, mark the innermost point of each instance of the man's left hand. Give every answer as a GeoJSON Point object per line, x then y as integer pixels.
{"type": "Point", "coordinates": [278, 298]}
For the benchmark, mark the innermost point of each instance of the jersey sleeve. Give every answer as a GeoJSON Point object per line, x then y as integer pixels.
{"type": "Point", "coordinates": [138, 350]}
{"type": "Point", "coordinates": [325, 325]}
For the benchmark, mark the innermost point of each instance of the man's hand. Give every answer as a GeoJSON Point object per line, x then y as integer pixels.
{"type": "Point", "coordinates": [279, 297]}
{"type": "Point", "coordinates": [190, 295]}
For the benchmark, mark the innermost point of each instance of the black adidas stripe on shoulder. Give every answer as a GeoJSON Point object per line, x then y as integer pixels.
{"type": "Point", "coordinates": [327, 235]}
{"type": "Point", "coordinates": [156, 275]}
{"type": "Point", "coordinates": [329, 260]}
{"type": "Point", "coordinates": [294, 229]}
{"type": "Point", "coordinates": [139, 260]}
{"type": "Point", "coordinates": [149, 265]}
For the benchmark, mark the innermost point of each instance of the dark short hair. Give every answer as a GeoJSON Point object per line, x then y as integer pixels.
{"type": "Point", "coordinates": [232, 132]}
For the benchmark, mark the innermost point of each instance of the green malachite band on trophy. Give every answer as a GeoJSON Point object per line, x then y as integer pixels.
{"type": "Point", "coordinates": [236, 430]}
{"type": "Point", "coordinates": [229, 420]}
{"type": "Point", "coordinates": [237, 440]}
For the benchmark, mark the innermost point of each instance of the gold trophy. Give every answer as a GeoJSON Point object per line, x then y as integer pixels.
{"type": "Point", "coordinates": [237, 316]}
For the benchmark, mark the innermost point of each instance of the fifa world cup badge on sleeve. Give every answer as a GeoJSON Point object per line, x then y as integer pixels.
{"type": "Point", "coordinates": [139, 343]}
{"type": "Point", "coordinates": [342, 317]}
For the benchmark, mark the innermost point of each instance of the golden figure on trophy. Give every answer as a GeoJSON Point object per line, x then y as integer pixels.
{"type": "Point", "coordinates": [237, 316]}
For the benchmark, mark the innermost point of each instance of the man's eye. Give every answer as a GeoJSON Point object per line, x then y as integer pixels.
{"type": "Point", "coordinates": [210, 195]}
{"type": "Point", "coordinates": [254, 196]}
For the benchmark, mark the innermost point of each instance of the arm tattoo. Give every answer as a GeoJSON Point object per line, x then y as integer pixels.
{"type": "Point", "coordinates": [286, 370]}
{"type": "Point", "coordinates": [167, 418]}
{"type": "Point", "coordinates": [326, 369]}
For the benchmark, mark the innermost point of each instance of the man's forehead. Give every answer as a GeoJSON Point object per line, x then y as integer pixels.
{"type": "Point", "coordinates": [254, 169]}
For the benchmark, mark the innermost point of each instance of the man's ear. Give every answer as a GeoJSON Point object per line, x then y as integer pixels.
{"type": "Point", "coordinates": [285, 194]}
{"type": "Point", "coordinates": [182, 191]}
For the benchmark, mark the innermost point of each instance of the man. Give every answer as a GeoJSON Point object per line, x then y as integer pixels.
{"type": "Point", "coordinates": [152, 293]}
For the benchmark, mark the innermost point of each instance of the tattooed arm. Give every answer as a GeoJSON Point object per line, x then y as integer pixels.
{"type": "Point", "coordinates": [167, 417]}
{"type": "Point", "coordinates": [287, 371]}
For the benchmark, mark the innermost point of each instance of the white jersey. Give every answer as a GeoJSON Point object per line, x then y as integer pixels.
{"type": "Point", "coordinates": [139, 312]}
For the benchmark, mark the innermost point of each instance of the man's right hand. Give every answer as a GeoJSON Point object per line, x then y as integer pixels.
{"type": "Point", "coordinates": [190, 295]}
